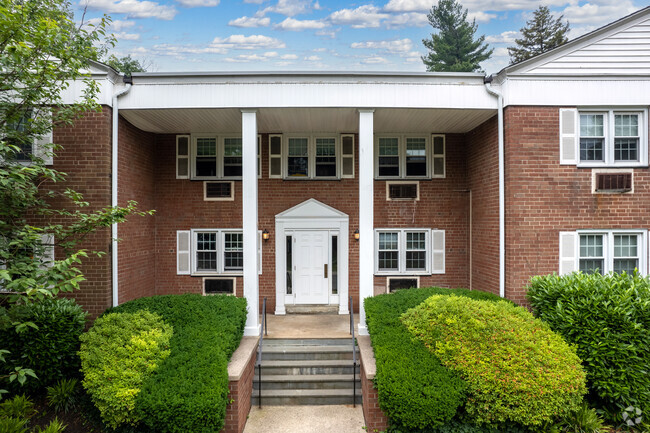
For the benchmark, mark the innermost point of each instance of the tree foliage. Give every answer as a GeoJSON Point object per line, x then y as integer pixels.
{"type": "Point", "coordinates": [42, 52]}
{"type": "Point", "coordinates": [453, 48]}
{"type": "Point", "coordinates": [126, 64]}
{"type": "Point", "coordinates": [542, 33]}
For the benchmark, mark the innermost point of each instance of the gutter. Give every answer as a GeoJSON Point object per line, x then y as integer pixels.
{"type": "Point", "coordinates": [114, 170]}
{"type": "Point", "coordinates": [502, 216]}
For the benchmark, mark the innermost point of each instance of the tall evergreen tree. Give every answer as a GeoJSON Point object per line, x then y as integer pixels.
{"type": "Point", "coordinates": [542, 33]}
{"type": "Point", "coordinates": [453, 48]}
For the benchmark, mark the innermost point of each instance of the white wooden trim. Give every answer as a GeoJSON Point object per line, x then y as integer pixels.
{"type": "Point", "coordinates": [401, 143]}
{"type": "Point", "coordinates": [431, 249]}
{"type": "Point", "coordinates": [180, 157]}
{"type": "Point", "coordinates": [205, 191]}
{"type": "Point", "coordinates": [183, 255]}
{"type": "Point", "coordinates": [348, 156]}
{"type": "Point", "coordinates": [438, 243]}
{"type": "Point", "coordinates": [249, 218]}
{"type": "Point", "coordinates": [403, 182]}
{"type": "Point", "coordinates": [366, 212]}
{"type": "Point", "coordinates": [438, 155]}
{"type": "Point", "coordinates": [569, 245]}
{"type": "Point", "coordinates": [47, 258]}
{"type": "Point", "coordinates": [608, 246]}
{"type": "Point", "coordinates": [275, 156]}
{"type": "Point", "coordinates": [42, 147]}
{"type": "Point", "coordinates": [569, 136]}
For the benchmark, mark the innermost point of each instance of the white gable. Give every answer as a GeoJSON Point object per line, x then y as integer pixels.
{"type": "Point", "coordinates": [311, 208]}
{"type": "Point", "coordinates": [621, 48]}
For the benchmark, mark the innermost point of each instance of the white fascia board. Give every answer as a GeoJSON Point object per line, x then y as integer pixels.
{"type": "Point", "coordinates": [74, 92]}
{"type": "Point", "coordinates": [418, 94]}
{"type": "Point", "coordinates": [577, 92]}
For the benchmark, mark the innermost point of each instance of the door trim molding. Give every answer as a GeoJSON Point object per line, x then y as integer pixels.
{"type": "Point", "coordinates": [310, 215]}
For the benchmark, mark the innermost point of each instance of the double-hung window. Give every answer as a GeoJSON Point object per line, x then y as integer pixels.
{"type": "Point", "coordinates": [409, 157]}
{"type": "Point", "coordinates": [20, 134]}
{"type": "Point", "coordinates": [604, 251]}
{"type": "Point", "coordinates": [212, 157]}
{"type": "Point", "coordinates": [298, 157]}
{"type": "Point", "coordinates": [409, 251]}
{"type": "Point", "coordinates": [309, 157]}
{"type": "Point", "coordinates": [205, 252]}
{"type": "Point", "coordinates": [604, 138]}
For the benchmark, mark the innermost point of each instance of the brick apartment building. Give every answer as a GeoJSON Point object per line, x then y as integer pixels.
{"type": "Point", "coordinates": [308, 188]}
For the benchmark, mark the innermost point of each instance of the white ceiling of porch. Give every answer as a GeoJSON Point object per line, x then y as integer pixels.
{"type": "Point", "coordinates": [287, 120]}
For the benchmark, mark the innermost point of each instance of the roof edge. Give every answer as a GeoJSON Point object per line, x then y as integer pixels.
{"type": "Point", "coordinates": [306, 74]}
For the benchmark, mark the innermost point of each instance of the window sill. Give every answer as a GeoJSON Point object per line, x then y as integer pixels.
{"type": "Point", "coordinates": [614, 166]}
{"type": "Point", "coordinates": [302, 179]}
{"type": "Point", "coordinates": [217, 274]}
{"type": "Point", "coordinates": [402, 274]}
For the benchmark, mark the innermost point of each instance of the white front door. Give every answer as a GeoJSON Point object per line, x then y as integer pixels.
{"type": "Point", "coordinates": [311, 267]}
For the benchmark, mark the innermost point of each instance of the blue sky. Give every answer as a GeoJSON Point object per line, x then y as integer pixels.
{"type": "Point", "coordinates": [297, 35]}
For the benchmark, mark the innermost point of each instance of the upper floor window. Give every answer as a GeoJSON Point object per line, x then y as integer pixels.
{"type": "Point", "coordinates": [400, 156]}
{"type": "Point", "coordinates": [211, 156]}
{"type": "Point", "coordinates": [601, 138]}
{"type": "Point", "coordinates": [311, 157]}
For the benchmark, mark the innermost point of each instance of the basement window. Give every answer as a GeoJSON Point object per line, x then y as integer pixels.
{"type": "Point", "coordinates": [218, 191]}
{"type": "Point", "coordinates": [219, 286]}
{"type": "Point", "coordinates": [394, 284]}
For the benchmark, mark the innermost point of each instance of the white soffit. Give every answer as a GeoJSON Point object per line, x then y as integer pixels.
{"type": "Point", "coordinates": [308, 120]}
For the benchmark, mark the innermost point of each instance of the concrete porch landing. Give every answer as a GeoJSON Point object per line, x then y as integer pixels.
{"type": "Point", "coordinates": [310, 326]}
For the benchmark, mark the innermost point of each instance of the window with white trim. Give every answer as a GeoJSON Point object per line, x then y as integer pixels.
{"type": "Point", "coordinates": [604, 137]}
{"type": "Point", "coordinates": [212, 157]}
{"type": "Point", "coordinates": [20, 133]}
{"type": "Point", "coordinates": [409, 251]}
{"type": "Point", "coordinates": [603, 251]}
{"type": "Point", "coordinates": [213, 252]}
{"type": "Point", "coordinates": [405, 156]}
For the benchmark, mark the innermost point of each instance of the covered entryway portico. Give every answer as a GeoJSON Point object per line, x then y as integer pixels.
{"type": "Point", "coordinates": [359, 104]}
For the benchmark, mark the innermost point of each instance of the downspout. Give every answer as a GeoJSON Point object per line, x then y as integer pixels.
{"type": "Point", "coordinates": [114, 169]}
{"type": "Point", "coordinates": [502, 195]}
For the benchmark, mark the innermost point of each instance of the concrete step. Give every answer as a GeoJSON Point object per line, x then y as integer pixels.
{"type": "Point", "coordinates": [312, 309]}
{"type": "Point", "coordinates": [274, 342]}
{"type": "Point", "coordinates": [307, 352]}
{"type": "Point", "coordinates": [306, 381]}
{"type": "Point", "coordinates": [295, 397]}
{"type": "Point", "coordinates": [301, 367]}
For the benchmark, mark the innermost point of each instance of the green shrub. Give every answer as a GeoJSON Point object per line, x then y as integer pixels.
{"type": "Point", "coordinates": [51, 350]}
{"type": "Point", "coordinates": [517, 369]}
{"type": "Point", "coordinates": [13, 425]}
{"type": "Point", "coordinates": [117, 355]}
{"type": "Point", "coordinates": [62, 396]}
{"type": "Point", "coordinates": [415, 390]}
{"type": "Point", "coordinates": [19, 406]}
{"type": "Point", "coordinates": [55, 426]}
{"type": "Point", "coordinates": [608, 319]}
{"type": "Point", "coordinates": [582, 420]}
{"type": "Point", "coordinates": [189, 392]}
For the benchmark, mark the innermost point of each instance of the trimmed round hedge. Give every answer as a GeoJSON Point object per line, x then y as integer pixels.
{"type": "Point", "coordinates": [415, 390]}
{"type": "Point", "coordinates": [517, 369]}
{"type": "Point", "coordinates": [608, 318]}
{"type": "Point", "coordinates": [188, 392]}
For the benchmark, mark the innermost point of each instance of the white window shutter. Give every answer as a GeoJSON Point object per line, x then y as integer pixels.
{"type": "Point", "coordinates": [438, 251]}
{"type": "Point", "coordinates": [276, 158]}
{"type": "Point", "coordinates": [569, 136]}
{"type": "Point", "coordinates": [259, 252]}
{"type": "Point", "coordinates": [47, 259]}
{"type": "Point", "coordinates": [183, 242]}
{"type": "Point", "coordinates": [42, 145]}
{"type": "Point", "coordinates": [347, 156]}
{"type": "Point", "coordinates": [568, 252]}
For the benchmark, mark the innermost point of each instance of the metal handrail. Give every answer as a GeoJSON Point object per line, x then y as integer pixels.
{"type": "Point", "coordinates": [259, 354]}
{"type": "Point", "coordinates": [354, 355]}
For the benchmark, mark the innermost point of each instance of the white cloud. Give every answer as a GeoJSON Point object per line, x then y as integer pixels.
{"type": "Point", "coordinates": [198, 3]}
{"type": "Point", "coordinates": [408, 19]}
{"type": "Point", "coordinates": [270, 54]}
{"type": "Point", "coordinates": [283, 63]}
{"type": "Point", "coordinates": [330, 33]}
{"type": "Point", "coordinates": [393, 46]}
{"type": "Point", "coordinates": [119, 25]}
{"type": "Point", "coordinates": [289, 57]}
{"type": "Point", "coordinates": [132, 8]}
{"type": "Point", "coordinates": [480, 16]}
{"type": "Point", "coordinates": [598, 14]}
{"type": "Point", "coordinates": [243, 58]}
{"type": "Point", "coordinates": [319, 50]}
{"type": "Point", "coordinates": [249, 22]}
{"type": "Point", "coordinates": [362, 17]}
{"type": "Point", "coordinates": [501, 52]}
{"type": "Point", "coordinates": [374, 60]}
{"type": "Point", "coordinates": [241, 42]}
{"type": "Point", "coordinates": [312, 58]}
{"type": "Point", "coordinates": [124, 36]}
{"type": "Point", "coordinates": [289, 7]}
{"type": "Point", "coordinates": [408, 5]}
{"type": "Point", "coordinates": [507, 37]}
{"type": "Point", "coordinates": [298, 25]}
{"type": "Point", "coordinates": [256, 2]}
{"type": "Point", "coordinates": [177, 50]}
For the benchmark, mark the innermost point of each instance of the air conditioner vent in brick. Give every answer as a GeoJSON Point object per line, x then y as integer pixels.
{"type": "Point", "coordinates": [218, 189]}
{"type": "Point", "coordinates": [401, 283]}
{"type": "Point", "coordinates": [613, 182]}
{"type": "Point", "coordinates": [403, 191]}
{"type": "Point", "coordinates": [219, 286]}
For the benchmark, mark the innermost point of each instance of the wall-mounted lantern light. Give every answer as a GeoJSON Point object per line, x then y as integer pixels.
{"type": "Point", "coordinates": [356, 235]}
{"type": "Point", "coordinates": [266, 235]}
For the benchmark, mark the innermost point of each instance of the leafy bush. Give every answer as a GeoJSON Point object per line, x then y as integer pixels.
{"type": "Point", "coordinates": [517, 369]}
{"type": "Point", "coordinates": [19, 406]}
{"type": "Point", "coordinates": [608, 318]}
{"type": "Point", "coordinates": [62, 396]}
{"type": "Point", "coordinates": [415, 390]}
{"type": "Point", "coordinates": [55, 426]}
{"type": "Point", "coordinates": [13, 425]}
{"type": "Point", "coordinates": [51, 350]}
{"type": "Point", "coordinates": [582, 420]}
{"type": "Point", "coordinates": [117, 355]}
{"type": "Point", "coordinates": [189, 391]}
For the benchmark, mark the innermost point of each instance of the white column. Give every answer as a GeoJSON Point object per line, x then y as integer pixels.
{"type": "Point", "coordinates": [249, 217]}
{"type": "Point", "coordinates": [366, 213]}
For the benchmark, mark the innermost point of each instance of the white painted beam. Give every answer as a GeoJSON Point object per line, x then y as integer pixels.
{"type": "Point", "coordinates": [366, 213]}
{"type": "Point", "coordinates": [249, 216]}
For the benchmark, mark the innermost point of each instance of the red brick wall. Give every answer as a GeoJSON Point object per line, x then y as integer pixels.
{"type": "Point", "coordinates": [483, 181]}
{"type": "Point", "coordinates": [240, 393]}
{"type": "Point", "coordinates": [544, 198]}
{"type": "Point", "coordinates": [137, 249]}
{"type": "Point", "coordinates": [86, 158]}
{"type": "Point", "coordinates": [376, 419]}
{"type": "Point", "coordinates": [179, 205]}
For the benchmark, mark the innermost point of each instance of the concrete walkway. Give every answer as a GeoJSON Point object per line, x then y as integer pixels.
{"type": "Point", "coordinates": [305, 419]}
{"type": "Point", "coordinates": [310, 326]}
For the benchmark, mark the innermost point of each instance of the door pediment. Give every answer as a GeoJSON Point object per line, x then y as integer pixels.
{"type": "Point", "coordinates": [311, 208]}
